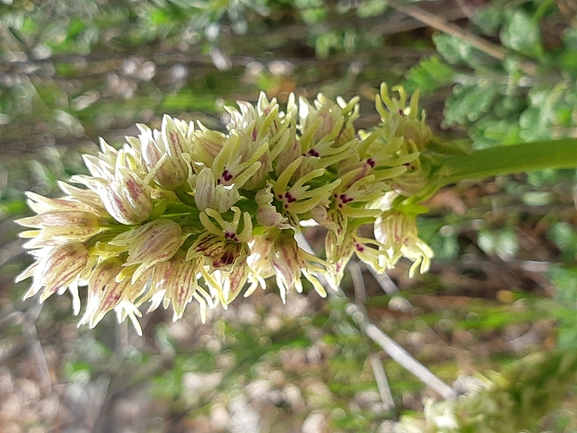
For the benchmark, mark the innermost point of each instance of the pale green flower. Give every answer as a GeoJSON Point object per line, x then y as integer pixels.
{"type": "Point", "coordinates": [163, 152]}
{"type": "Point", "coordinates": [84, 197]}
{"type": "Point", "coordinates": [339, 252]}
{"type": "Point", "coordinates": [205, 145]}
{"type": "Point", "coordinates": [41, 204]}
{"type": "Point", "coordinates": [327, 121]}
{"type": "Point", "coordinates": [228, 284]}
{"type": "Point", "coordinates": [56, 270]}
{"type": "Point", "coordinates": [397, 232]}
{"type": "Point", "coordinates": [299, 198]}
{"type": "Point", "coordinates": [222, 246]}
{"type": "Point", "coordinates": [58, 227]}
{"type": "Point", "coordinates": [108, 290]}
{"type": "Point", "coordinates": [147, 245]}
{"type": "Point", "coordinates": [289, 261]}
{"type": "Point", "coordinates": [175, 281]}
{"type": "Point", "coordinates": [401, 120]}
{"type": "Point", "coordinates": [266, 213]}
{"type": "Point", "coordinates": [186, 213]}
{"type": "Point", "coordinates": [208, 193]}
{"type": "Point", "coordinates": [265, 121]}
{"type": "Point", "coordinates": [121, 183]}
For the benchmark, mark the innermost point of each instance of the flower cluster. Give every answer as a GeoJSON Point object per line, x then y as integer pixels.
{"type": "Point", "coordinates": [185, 212]}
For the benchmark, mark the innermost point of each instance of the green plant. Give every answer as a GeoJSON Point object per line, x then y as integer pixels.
{"type": "Point", "coordinates": [522, 91]}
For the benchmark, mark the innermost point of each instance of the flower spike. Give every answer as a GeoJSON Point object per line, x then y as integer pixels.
{"type": "Point", "coordinates": [187, 214]}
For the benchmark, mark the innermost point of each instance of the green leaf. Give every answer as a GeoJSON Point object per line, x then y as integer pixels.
{"type": "Point", "coordinates": [507, 245]}
{"type": "Point", "coordinates": [457, 51]}
{"type": "Point", "coordinates": [491, 132]}
{"type": "Point", "coordinates": [569, 37]}
{"type": "Point", "coordinates": [312, 11]}
{"type": "Point", "coordinates": [325, 42]}
{"type": "Point", "coordinates": [566, 107]}
{"type": "Point", "coordinates": [538, 198]}
{"type": "Point", "coordinates": [538, 120]}
{"type": "Point", "coordinates": [564, 236]}
{"type": "Point", "coordinates": [371, 8]}
{"type": "Point", "coordinates": [510, 105]}
{"type": "Point", "coordinates": [486, 241]}
{"type": "Point", "coordinates": [449, 248]}
{"type": "Point", "coordinates": [429, 75]}
{"type": "Point", "coordinates": [522, 34]}
{"type": "Point", "coordinates": [488, 20]}
{"type": "Point", "coordinates": [12, 207]}
{"type": "Point", "coordinates": [469, 103]}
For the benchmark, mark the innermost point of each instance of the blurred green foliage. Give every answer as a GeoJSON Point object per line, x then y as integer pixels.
{"type": "Point", "coordinates": [528, 94]}
{"type": "Point", "coordinates": [510, 401]}
{"type": "Point", "coordinates": [71, 71]}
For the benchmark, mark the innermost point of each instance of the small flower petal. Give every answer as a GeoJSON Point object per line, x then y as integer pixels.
{"type": "Point", "coordinates": [58, 227]}
{"type": "Point", "coordinates": [106, 293]}
{"type": "Point", "coordinates": [397, 232]}
{"type": "Point", "coordinates": [149, 244]}
{"type": "Point", "coordinates": [58, 268]}
{"type": "Point", "coordinates": [177, 280]}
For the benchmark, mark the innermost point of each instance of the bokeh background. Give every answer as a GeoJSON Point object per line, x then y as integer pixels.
{"type": "Point", "coordinates": [497, 310]}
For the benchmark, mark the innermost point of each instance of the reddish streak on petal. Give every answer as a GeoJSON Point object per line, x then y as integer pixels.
{"type": "Point", "coordinates": [227, 258]}
{"type": "Point", "coordinates": [133, 187]}
{"type": "Point", "coordinates": [111, 301]}
{"type": "Point", "coordinates": [175, 141]}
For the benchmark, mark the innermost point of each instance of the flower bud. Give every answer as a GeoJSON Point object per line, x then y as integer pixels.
{"type": "Point", "coordinates": [126, 198]}
{"type": "Point", "coordinates": [149, 244]}
{"type": "Point", "coordinates": [402, 121]}
{"type": "Point", "coordinates": [163, 152]}
{"type": "Point", "coordinates": [60, 226]}
{"type": "Point", "coordinates": [397, 232]}
{"type": "Point", "coordinates": [177, 277]}
{"type": "Point", "coordinates": [56, 269]}
{"type": "Point", "coordinates": [210, 195]}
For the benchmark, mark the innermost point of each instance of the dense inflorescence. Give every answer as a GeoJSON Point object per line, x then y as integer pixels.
{"type": "Point", "coordinates": [185, 212]}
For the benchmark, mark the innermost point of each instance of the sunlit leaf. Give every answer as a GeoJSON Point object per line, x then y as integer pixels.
{"type": "Point", "coordinates": [429, 75]}
{"type": "Point", "coordinates": [521, 33]}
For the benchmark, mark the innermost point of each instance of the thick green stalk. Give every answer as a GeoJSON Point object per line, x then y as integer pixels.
{"type": "Point", "coordinates": [505, 160]}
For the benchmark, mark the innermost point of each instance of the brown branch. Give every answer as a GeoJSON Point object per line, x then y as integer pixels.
{"type": "Point", "coordinates": [391, 347]}
{"type": "Point", "coordinates": [440, 24]}
{"type": "Point", "coordinates": [400, 355]}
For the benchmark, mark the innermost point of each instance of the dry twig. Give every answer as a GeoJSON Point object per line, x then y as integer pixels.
{"type": "Point", "coordinates": [440, 24]}
{"type": "Point", "coordinates": [382, 382]}
{"type": "Point", "coordinates": [401, 356]}
{"type": "Point", "coordinates": [391, 347]}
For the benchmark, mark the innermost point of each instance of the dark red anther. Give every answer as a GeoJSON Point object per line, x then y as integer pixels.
{"type": "Point", "coordinates": [314, 153]}
{"type": "Point", "coordinates": [231, 236]}
{"type": "Point", "coordinates": [345, 199]}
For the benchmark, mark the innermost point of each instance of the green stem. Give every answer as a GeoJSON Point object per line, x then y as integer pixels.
{"type": "Point", "coordinates": [505, 160]}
